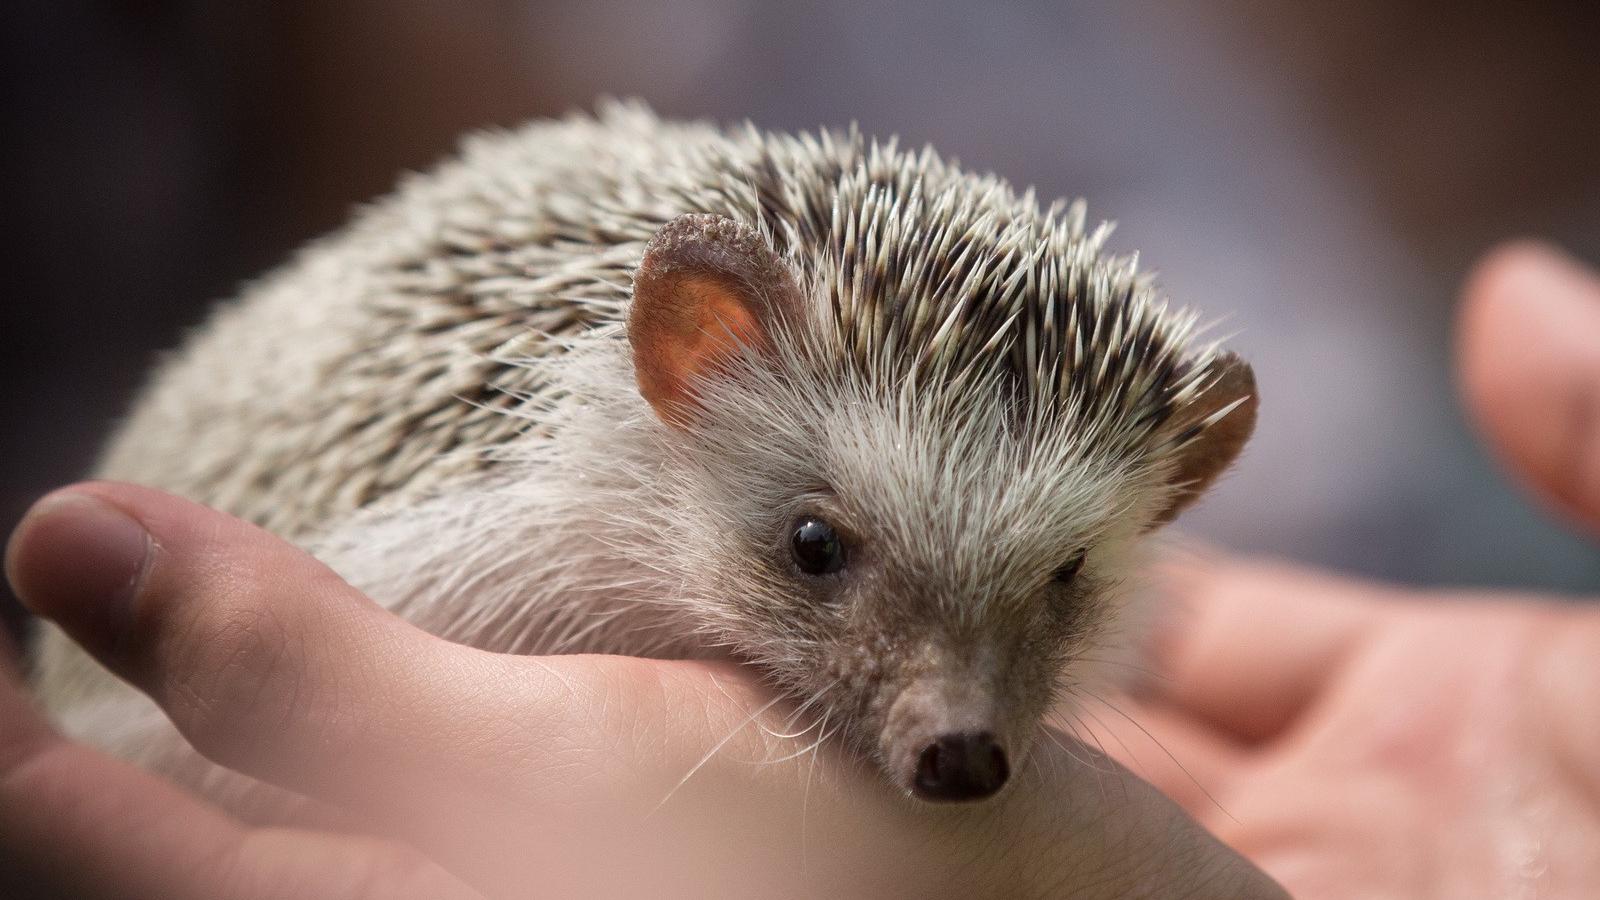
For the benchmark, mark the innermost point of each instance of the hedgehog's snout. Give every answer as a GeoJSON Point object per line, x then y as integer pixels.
{"type": "Point", "coordinates": [965, 765]}
{"type": "Point", "coordinates": [946, 739]}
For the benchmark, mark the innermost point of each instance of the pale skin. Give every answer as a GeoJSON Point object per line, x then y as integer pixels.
{"type": "Point", "coordinates": [1357, 741]}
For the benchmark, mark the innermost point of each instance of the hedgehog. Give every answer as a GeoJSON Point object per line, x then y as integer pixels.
{"type": "Point", "coordinates": [891, 433]}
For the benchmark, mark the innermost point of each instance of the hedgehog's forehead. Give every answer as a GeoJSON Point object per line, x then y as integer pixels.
{"type": "Point", "coordinates": [940, 473]}
{"type": "Point", "coordinates": [972, 489]}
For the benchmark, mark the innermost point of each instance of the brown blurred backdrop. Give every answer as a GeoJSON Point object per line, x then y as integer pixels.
{"type": "Point", "coordinates": [1320, 178]}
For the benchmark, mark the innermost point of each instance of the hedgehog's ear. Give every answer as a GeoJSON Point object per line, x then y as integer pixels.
{"type": "Point", "coordinates": [1212, 431]}
{"type": "Point", "coordinates": [708, 288]}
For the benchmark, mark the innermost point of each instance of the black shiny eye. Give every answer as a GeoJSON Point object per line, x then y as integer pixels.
{"type": "Point", "coordinates": [816, 547]}
{"type": "Point", "coordinates": [1069, 570]}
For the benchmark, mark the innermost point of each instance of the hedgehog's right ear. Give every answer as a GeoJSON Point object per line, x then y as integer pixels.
{"type": "Point", "coordinates": [707, 289]}
{"type": "Point", "coordinates": [1211, 431]}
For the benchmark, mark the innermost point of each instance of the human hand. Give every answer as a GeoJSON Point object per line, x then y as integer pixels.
{"type": "Point", "coordinates": [1360, 740]}
{"type": "Point", "coordinates": [555, 776]}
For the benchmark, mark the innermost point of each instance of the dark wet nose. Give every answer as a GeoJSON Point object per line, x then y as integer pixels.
{"type": "Point", "coordinates": [965, 766]}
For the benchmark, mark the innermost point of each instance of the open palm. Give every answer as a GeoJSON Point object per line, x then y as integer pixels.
{"type": "Point", "coordinates": [1361, 740]}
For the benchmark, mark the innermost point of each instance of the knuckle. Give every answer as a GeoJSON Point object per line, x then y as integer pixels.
{"type": "Point", "coordinates": [229, 673]}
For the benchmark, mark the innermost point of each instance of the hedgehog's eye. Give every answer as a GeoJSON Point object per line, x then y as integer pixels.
{"type": "Point", "coordinates": [1069, 570]}
{"type": "Point", "coordinates": [816, 546]}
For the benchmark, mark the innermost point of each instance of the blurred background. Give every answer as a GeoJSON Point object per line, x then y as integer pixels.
{"type": "Point", "coordinates": [1319, 178]}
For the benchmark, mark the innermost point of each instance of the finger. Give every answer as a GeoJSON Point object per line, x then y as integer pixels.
{"type": "Point", "coordinates": [1247, 646]}
{"type": "Point", "coordinates": [1528, 351]}
{"type": "Point", "coordinates": [74, 823]}
{"type": "Point", "coordinates": [266, 661]}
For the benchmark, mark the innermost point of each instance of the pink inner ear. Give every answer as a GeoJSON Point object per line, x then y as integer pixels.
{"type": "Point", "coordinates": [726, 321]}
{"type": "Point", "coordinates": [685, 326]}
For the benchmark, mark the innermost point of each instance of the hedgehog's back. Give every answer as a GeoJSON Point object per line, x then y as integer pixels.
{"type": "Point", "coordinates": [381, 361]}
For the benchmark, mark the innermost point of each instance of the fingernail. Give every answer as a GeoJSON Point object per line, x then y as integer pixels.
{"type": "Point", "coordinates": [78, 560]}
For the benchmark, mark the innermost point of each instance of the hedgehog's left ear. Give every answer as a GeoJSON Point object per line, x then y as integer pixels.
{"type": "Point", "coordinates": [1211, 432]}
{"type": "Point", "coordinates": [708, 288]}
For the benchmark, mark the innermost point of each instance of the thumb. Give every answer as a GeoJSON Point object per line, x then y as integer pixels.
{"type": "Point", "coordinates": [1528, 354]}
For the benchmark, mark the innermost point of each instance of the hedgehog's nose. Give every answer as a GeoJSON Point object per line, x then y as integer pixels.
{"type": "Point", "coordinates": [963, 766]}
